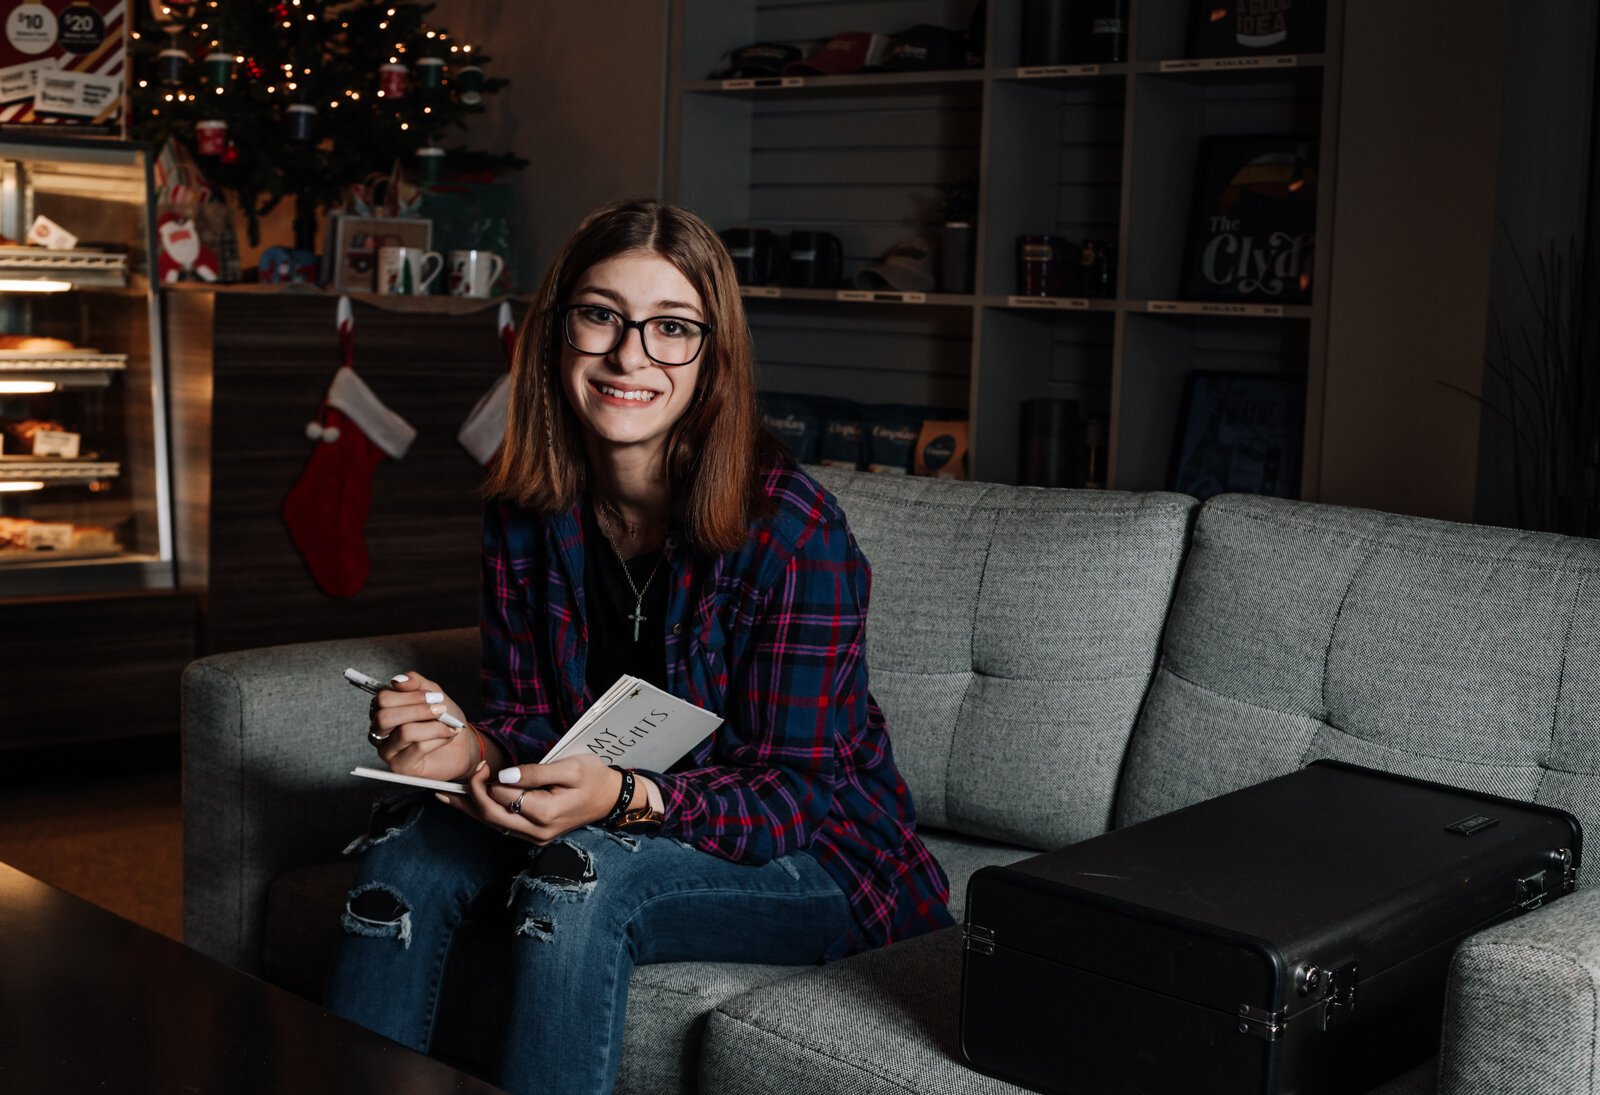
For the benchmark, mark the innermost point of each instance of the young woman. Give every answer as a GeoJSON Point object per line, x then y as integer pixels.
{"type": "Point", "coordinates": [641, 521]}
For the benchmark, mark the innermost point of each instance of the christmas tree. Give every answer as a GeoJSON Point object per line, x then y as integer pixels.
{"type": "Point", "coordinates": [305, 97]}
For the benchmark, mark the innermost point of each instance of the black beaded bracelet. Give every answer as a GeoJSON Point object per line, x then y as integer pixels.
{"type": "Point", "coordinates": [623, 799]}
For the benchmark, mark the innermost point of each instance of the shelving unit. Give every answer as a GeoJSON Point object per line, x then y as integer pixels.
{"type": "Point", "coordinates": [1086, 151]}
{"type": "Point", "coordinates": [94, 630]}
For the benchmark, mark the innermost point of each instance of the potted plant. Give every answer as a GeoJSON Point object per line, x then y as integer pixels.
{"type": "Point", "coordinates": [1545, 387]}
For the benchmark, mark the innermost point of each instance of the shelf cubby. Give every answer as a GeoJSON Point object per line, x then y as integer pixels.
{"type": "Point", "coordinates": [1105, 152]}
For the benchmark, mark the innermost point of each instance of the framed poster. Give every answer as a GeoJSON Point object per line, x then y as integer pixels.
{"type": "Point", "coordinates": [1242, 28]}
{"type": "Point", "coordinates": [1253, 224]}
{"type": "Point", "coordinates": [1239, 432]}
{"type": "Point", "coordinates": [352, 254]}
{"type": "Point", "coordinates": [63, 63]}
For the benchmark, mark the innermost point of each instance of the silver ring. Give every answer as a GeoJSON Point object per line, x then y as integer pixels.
{"type": "Point", "coordinates": [516, 804]}
{"type": "Point", "coordinates": [376, 740]}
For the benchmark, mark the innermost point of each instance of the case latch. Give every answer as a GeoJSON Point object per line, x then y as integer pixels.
{"type": "Point", "coordinates": [1531, 891]}
{"type": "Point", "coordinates": [1260, 1023]}
{"type": "Point", "coordinates": [1561, 860]}
{"type": "Point", "coordinates": [1341, 995]}
{"type": "Point", "coordinates": [979, 938]}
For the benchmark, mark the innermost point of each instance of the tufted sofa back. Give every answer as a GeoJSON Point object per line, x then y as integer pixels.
{"type": "Point", "coordinates": [1459, 653]}
{"type": "Point", "coordinates": [1010, 639]}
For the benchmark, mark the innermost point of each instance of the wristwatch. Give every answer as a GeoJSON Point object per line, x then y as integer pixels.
{"type": "Point", "coordinates": [641, 820]}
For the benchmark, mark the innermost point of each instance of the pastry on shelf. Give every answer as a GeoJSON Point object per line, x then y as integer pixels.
{"type": "Point", "coordinates": [36, 344]}
{"type": "Point", "coordinates": [24, 534]}
{"type": "Point", "coordinates": [20, 433]}
{"type": "Point", "coordinates": [14, 533]}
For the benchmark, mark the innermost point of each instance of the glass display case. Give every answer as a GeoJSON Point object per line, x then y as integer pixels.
{"type": "Point", "coordinates": [84, 492]}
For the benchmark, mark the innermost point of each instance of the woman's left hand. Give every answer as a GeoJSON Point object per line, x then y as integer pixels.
{"type": "Point", "coordinates": [544, 801]}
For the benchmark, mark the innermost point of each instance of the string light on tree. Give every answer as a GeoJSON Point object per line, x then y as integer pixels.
{"type": "Point", "coordinates": [252, 64]}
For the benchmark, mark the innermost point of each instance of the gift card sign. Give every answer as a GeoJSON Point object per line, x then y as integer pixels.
{"type": "Point", "coordinates": [63, 62]}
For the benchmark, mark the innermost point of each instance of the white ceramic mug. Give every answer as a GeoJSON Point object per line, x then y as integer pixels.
{"type": "Point", "coordinates": [403, 271]}
{"type": "Point", "coordinates": [473, 273]}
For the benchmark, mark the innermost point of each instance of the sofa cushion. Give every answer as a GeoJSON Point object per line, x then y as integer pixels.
{"type": "Point", "coordinates": [1457, 653]}
{"type": "Point", "coordinates": [881, 1023]}
{"type": "Point", "coordinates": [1011, 636]}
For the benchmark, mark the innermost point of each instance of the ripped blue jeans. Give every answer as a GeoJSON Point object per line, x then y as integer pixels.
{"type": "Point", "coordinates": [583, 911]}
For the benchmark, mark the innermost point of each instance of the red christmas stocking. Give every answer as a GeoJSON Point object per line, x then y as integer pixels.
{"type": "Point", "coordinates": [326, 509]}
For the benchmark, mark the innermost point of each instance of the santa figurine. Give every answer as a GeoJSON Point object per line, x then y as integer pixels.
{"type": "Point", "coordinates": [183, 256]}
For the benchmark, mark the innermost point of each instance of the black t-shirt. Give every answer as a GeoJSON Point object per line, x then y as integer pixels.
{"type": "Point", "coordinates": [610, 605]}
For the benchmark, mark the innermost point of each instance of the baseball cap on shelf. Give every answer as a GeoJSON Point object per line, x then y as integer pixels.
{"type": "Point", "coordinates": [755, 60]}
{"type": "Point", "coordinates": [908, 268]}
{"type": "Point", "coordinates": [841, 55]}
{"type": "Point", "coordinates": [926, 46]}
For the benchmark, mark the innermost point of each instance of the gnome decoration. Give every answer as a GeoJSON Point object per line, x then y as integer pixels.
{"type": "Point", "coordinates": [183, 257]}
{"type": "Point", "coordinates": [485, 426]}
{"type": "Point", "coordinates": [326, 509]}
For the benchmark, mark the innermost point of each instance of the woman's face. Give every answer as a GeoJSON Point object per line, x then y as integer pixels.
{"type": "Point", "coordinates": [625, 400]}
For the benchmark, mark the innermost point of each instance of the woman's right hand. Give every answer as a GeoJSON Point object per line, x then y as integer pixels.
{"type": "Point", "coordinates": [405, 716]}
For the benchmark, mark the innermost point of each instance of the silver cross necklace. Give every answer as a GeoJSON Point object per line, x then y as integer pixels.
{"type": "Point", "coordinates": [637, 616]}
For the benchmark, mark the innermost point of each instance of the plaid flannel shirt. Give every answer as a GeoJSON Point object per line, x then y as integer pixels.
{"type": "Point", "coordinates": [770, 637]}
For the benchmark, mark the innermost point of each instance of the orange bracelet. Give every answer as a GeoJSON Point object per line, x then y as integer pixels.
{"type": "Point", "coordinates": [483, 755]}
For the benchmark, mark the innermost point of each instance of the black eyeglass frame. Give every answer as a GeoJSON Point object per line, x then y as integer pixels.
{"type": "Point", "coordinates": [707, 331]}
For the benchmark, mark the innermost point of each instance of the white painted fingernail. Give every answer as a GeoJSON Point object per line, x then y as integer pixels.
{"type": "Point", "coordinates": [433, 697]}
{"type": "Point", "coordinates": [399, 678]}
{"type": "Point", "coordinates": [437, 709]}
{"type": "Point", "coordinates": [443, 798]}
{"type": "Point", "coordinates": [452, 722]}
{"type": "Point", "coordinates": [510, 775]}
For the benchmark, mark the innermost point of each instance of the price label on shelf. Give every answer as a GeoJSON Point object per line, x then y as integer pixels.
{"type": "Point", "coordinates": [763, 82]}
{"type": "Point", "coordinates": [1212, 308]}
{"type": "Point", "coordinates": [1074, 304]}
{"type": "Point", "coordinates": [1041, 72]}
{"type": "Point", "coordinates": [56, 443]}
{"type": "Point", "coordinates": [1044, 71]}
{"type": "Point", "coordinates": [1214, 64]}
{"type": "Point", "coordinates": [766, 292]}
{"type": "Point", "coordinates": [48, 536]}
{"type": "Point", "coordinates": [882, 297]}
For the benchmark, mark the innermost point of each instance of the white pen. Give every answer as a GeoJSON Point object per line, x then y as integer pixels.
{"type": "Point", "coordinates": [373, 685]}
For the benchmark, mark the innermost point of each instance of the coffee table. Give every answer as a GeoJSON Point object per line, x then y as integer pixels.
{"type": "Point", "coordinates": [92, 1002]}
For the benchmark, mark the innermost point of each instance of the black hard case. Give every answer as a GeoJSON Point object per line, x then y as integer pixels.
{"type": "Point", "coordinates": [1164, 957]}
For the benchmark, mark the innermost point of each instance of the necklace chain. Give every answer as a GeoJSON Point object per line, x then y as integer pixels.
{"type": "Point", "coordinates": [638, 616]}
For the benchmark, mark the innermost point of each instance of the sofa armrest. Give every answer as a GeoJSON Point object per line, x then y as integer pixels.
{"type": "Point", "coordinates": [1522, 1011]}
{"type": "Point", "coordinates": [269, 738]}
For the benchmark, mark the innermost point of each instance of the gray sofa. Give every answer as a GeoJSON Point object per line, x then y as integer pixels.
{"type": "Point", "coordinates": [1052, 664]}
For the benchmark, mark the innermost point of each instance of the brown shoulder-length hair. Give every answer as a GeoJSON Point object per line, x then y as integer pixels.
{"type": "Point", "coordinates": [720, 449]}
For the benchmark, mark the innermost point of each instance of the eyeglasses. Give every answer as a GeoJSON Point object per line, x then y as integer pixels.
{"type": "Point", "coordinates": [667, 340]}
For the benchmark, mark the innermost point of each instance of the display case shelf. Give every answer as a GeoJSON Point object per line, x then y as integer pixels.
{"type": "Point", "coordinates": [56, 470]}
{"type": "Point", "coordinates": [66, 361]}
{"type": "Point", "coordinates": [90, 269]}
